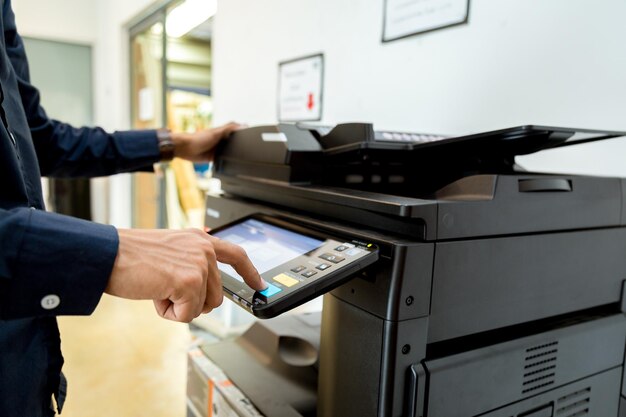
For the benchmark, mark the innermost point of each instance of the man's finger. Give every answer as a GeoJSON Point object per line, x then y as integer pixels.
{"type": "Point", "coordinates": [236, 257]}
{"type": "Point", "coordinates": [170, 311]}
{"type": "Point", "coordinates": [214, 295]}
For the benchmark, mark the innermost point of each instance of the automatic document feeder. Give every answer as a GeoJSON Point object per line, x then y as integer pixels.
{"type": "Point", "coordinates": [497, 292]}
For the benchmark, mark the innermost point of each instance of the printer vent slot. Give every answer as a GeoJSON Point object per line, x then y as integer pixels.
{"type": "Point", "coordinates": [544, 346]}
{"type": "Point", "coordinates": [575, 404]}
{"type": "Point", "coordinates": [540, 367]}
{"type": "Point", "coordinates": [540, 370]}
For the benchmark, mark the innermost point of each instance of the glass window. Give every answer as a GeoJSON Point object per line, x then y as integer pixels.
{"type": "Point", "coordinates": [171, 79]}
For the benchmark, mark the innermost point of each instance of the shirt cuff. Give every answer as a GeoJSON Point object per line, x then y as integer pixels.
{"type": "Point", "coordinates": [139, 147]}
{"type": "Point", "coordinates": [62, 267]}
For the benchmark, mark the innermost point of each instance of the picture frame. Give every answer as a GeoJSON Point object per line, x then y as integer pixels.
{"type": "Point", "coordinates": [301, 89]}
{"type": "Point", "coordinates": [406, 18]}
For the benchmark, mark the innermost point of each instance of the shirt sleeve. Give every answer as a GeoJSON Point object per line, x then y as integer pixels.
{"type": "Point", "coordinates": [52, 264]}
{"type": "Point", "coordinates": [66, 151]}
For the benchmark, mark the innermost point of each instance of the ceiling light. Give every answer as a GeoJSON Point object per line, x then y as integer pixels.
{"type": "Point", "coordinates": [188, 15]}
{"type": "Point", "coordinates": [157, 28]}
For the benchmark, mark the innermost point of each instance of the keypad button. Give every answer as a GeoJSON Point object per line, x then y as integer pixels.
{"type": "Point", "coordinates": [299, 268]}
{"type": "Point", "coordinates": [323, 267]}
{"type": "Point", "coordinates": [270, 290]}
{"type": "Point", "coordinates": [341, 248]}
{"type": "Point", "coordinates": [332, 258]}
{"type": "Point", "coordinates": [354, 252]}
{"type": "Point", "coordinates": [308, 274]}
{"type": "Point", "coordinates": [286, 280]}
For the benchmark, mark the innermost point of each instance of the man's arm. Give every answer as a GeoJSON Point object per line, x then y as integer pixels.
{"type": "Point", "coordinates": [53, 265]}
{"type": "Point", "coordinates": [57, 265]}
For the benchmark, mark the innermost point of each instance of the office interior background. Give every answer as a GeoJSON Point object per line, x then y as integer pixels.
{"type": "Point", "coordinates": [515, 62]}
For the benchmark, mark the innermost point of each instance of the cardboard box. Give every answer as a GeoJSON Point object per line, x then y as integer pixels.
{"type": "Point", "coordinates": [210, 393]}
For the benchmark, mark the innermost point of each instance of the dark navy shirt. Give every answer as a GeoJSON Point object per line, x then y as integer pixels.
{"type": "Point", "coordinates": [50, 264]}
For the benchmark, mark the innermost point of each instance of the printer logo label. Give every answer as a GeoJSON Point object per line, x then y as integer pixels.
{"type": "Point", "coordinates": [273, 137]}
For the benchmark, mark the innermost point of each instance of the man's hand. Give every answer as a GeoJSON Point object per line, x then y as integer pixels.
{"type": "Point", "coordinates": [177, 269]}
{"type": "Point", "coordinates": [199, 146]}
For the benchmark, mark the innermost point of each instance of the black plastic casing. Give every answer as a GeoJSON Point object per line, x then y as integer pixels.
{"type": "Point", "coordinates": [481, 268]}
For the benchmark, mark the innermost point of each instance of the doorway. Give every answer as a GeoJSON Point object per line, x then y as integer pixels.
{"type": "Point", "coordinates": [171, 87]}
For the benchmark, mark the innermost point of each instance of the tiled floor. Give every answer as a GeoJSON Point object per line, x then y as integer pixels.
{"type": "Point", "coordinates": [124, 360]}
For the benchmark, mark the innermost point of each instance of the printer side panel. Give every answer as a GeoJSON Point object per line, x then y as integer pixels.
{"type": "Point", "coordinates": [374, 328]}
{"type": "Point", "coordinates": [515, 372]}
{"type": "Point", "coordinates": [350, 361]}
{"type": "Point", "coordinates": [527, 203]}
{"type": "Point", "coordinates": [365, 361]}
{"type": "Point", "coordinates": [486, 284]}
{"type": "Point", "coordinates": [593, 396]}
{"type": "Point", "coordinates": [394, 288]}
{"type": "Point", "coordinates": [622, 404]}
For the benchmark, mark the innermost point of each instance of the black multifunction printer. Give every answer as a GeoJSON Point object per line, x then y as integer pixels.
{"type": "Point", "coordinates": [497, 292]}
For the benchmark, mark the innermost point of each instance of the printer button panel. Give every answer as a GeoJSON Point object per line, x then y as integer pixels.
{"type": "Point", "coordinates": [308, 274]}
{"type": "Point", "coordinates": [330, 257]}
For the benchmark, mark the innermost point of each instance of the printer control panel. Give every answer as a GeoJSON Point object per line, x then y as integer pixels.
{"type": "Point", "coordinates": [296, 263]}
{"type": "Point", "coordinates": [307, 268]}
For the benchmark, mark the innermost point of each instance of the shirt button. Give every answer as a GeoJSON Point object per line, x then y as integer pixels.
{"type": "Point", "coordinates": [50, 301]}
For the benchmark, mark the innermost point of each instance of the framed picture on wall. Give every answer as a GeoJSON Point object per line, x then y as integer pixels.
{"type": "Point", "coordinates": [403, 18]}
{"type": "Point", "coordinates": [300, 88]}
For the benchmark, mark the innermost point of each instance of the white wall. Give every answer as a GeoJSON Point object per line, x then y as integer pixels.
{"type": "Point", "coordinates": [61, 20]}
{"type": "Point", "coordinates": [555, 62]}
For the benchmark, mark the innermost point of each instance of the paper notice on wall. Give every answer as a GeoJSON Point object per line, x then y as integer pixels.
{"type": "Point", "coordinates": [300, 89]}
{"type": "Point", "coordinates": [408, 17]}
{"type": "Point", "coordinates": [146, 104]}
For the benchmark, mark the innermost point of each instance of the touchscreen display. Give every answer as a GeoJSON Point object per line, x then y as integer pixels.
{"type": "Point", "coordinates": [267, 246]}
